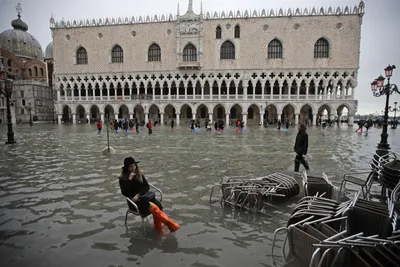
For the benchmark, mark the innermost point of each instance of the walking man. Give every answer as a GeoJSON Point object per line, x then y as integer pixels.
{"type": "Point", "coordinates": [301, 148]}
{"type": "Point", "coordinates": [150, 127]}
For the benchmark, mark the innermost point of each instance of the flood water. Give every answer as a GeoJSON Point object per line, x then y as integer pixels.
{"type": "Point", "coordinates": [60, 203]}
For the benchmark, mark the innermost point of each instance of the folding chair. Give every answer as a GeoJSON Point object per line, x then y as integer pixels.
{"type": "Point", "coordinates": [136, 211]}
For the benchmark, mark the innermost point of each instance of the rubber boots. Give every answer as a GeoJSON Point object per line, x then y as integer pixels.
{"type": "Point", "coordinates": [296, 165]}
{"type": "Point", "coordinates": [160, 216]}
{"type": "Point", "coordinates": [158, 225]}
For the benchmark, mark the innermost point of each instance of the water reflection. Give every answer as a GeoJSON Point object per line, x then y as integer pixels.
{"type": "Point", "coordinates": [60, 202]}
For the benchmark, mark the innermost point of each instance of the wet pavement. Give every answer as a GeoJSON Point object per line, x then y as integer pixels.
{"type": "Point", "coordinates": [60, 203]}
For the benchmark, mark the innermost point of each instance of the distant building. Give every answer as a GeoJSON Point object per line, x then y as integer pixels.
{"type": "Point", "coordinates": [22, 58]}
{"type": "Point", "coordinates": [253, 66]}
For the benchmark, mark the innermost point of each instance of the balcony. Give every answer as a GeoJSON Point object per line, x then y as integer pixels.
{"type": "Point", "coordinates": [192, 65]}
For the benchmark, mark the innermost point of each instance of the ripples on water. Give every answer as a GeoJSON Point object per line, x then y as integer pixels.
{"type": "Point", "coordinates": [60, 203]}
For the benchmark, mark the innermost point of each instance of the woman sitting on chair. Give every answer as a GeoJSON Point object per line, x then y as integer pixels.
{"type": "Point", "coordinates": [135, 187]}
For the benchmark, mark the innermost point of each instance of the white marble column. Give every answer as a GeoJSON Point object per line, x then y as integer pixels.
{"type": "Point", "coordinates": [314, 119]}
{"type": "Point", "coordinates": [116, 116]}
{"type": "Point", "coordinates": [161, 118]}
{"type": "Point", "coordinates": [102, 117]}
{"type": "Point", "coordinates": [146, 117]}
{"type": "Point", "coordinates": [131, 116]}
{"type": "Point", "coordinates": [244, 117]}
{"type": "Point", "coordinates": [88, 117]}
{"type": "Point", "coordinates": [101, 94]}
{"type": "Point", "coordinates": [193, 116]}
{"type": "Point", "coordinates": [296, 119]}
{"type": "Point", "coordinates": [58, 95]}
{"type": "Point", "coordinates": [178, 117]}
{"type": "Point", "coordinates": [227, 119]}
{"type": "Point", "coordinates": [278, 117]}
{"type": "Point", "coordinates": [245, 91]}
{"type": "Point", "coordinates": [210, 117]}
{"type": "Point", "coordinates": [262, 118]}
{"type": "Point", "coordinates": [350, 120]}
{"type": "Point", "coordinates": [59, 118]}
{"type": "Point", "coordinates": [73, 118]}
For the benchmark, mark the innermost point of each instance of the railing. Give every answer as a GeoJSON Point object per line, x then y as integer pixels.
{"type": "Point", "coordinates": [207, 97]}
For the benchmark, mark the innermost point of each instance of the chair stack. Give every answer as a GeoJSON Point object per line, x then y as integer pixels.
{"type": "Point", "coordinates": [389, 170]}
{"type": "Point", "coordinates": [357, 232]}
{"type": "Point", "coordinates": [256, 194]}
{"type": "Point", "coordinates": [319, 185]}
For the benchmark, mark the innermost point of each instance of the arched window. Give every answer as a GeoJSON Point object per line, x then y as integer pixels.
{"type": "Point", "coordinates": [189, 53]}
{"type": "Point", "coordinates": [41, 72]}
{"type": "Point", "coordinates": [9, 63]}
{"type": "Point", "coordinates": [117, 54]}
{"type": "Point", "coordinates": [81, 56]}
{"type": "Point", "coordinates": [237, 31]}
{"type": "Point", "coordinates": [30, 72]}
{"type": "Point", "coordinates": [154, 53]}
{"type": "Point", "coordinates": [321, 48]}
{"type": "Point", "coordinates": [218, 33]}
{"type": "Point", "coordinates": [227, 50]}
{"type": "Point", "coordinates": [275, 49]}
{"type": "Point", "coordinates": [36, 71]}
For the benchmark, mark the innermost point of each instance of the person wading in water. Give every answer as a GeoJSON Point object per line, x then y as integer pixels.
{"type": "Point", "coordinates": [301, 148]}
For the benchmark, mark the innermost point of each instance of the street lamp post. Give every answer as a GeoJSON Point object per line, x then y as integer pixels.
{"type": "Point", "coordinates": [379, 89]}
{"type": "Point", "coordinates": [8, 92]}
{"type": "Point", "coordinates": [29, 108]}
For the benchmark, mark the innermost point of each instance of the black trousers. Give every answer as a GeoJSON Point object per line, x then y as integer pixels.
{"type": "Point", "coordinates": [300, 159]}
{"type": "Point", "coordinates": [150, 131]}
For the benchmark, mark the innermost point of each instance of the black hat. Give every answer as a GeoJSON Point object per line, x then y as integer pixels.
{"type": "Point", "coordinates": [128, 161]}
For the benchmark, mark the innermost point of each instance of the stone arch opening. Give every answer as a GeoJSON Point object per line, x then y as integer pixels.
{"type": "Point", "coordinates": [236, 112]}
{"type": "Point", "coordinates": [232, 88]}
{"type": "Point", "coordinates": [253, 114]}
{"type": "Point", "coordinates": [80, 113]}
{"type": "Point", "coordinates": [342, 113]}
{"type": "Point", "coordinates": [109, 112]}
{"type": "Point", "coordinates": [202, 112]}
{"type": "Point", "coordinates": [288, 114]}
{"type": "Point", "coordinates": [95, 113]}
{"type": "Point", "coordinates": [66, 114]}
{"type": "Point", "coordinates": [219, 112]}
{"type": "Point", "coordinates": [324, 114]}
{"type": "Point", "coordinates": [306, 115]}
{"type": "Point", "coordinates": [170, 112]}
{"type": "Point", "coordinates": [138, 111]}
{"type": "Point", "coordinates": [271, 114]}
{"type": "Point", "coordinates": [154, 114]}
{"type": "Point", "coordinates": [123, 112]}
{"type": "Point", "coordinates": [186, 113]}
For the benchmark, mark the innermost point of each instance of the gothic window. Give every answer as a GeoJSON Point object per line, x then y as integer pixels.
{"type": "Point", "coordinates": [117, 54]}
{"type": "Point", "coordinates": [275, 49]}
{"type": "Point", "coordinates": [41, 72]}
{"type": "Point", "coordinates": [81, 56]}
{"type": "Point", "coordinates": [189, 53]}
{"type": "Point", "coordinates": [321, 49]}
{"type": "Point", "coordinates": [227, 50]}
{"type": "Point", "coordinates": [30, 72]}
{"type": "Point", "coordinates": [36, 71]}
{"type": "Point", "coordinates": [237, 31]}
{"type": "Point", "coordinates": [9, 63]}
{"type": "Point", "coordinates": [218, 33]}
{"type": "Point", "coordinates": [154, 53]}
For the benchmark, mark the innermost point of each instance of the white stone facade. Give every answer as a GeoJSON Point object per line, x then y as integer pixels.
{"type": "Point", "coordinates": [252, 86]}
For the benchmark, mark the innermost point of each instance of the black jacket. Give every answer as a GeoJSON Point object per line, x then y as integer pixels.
{"type": "Point", "coordinates": [130, 188]}
{"type": "Point", "coordinates": [301, 145]}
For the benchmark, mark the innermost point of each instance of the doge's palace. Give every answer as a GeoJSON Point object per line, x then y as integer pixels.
{"type": "Point", "coordinates": [268, 65]}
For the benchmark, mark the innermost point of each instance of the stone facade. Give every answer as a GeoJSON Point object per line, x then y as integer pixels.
{"type": "Point", "coordinates": [296, 86]}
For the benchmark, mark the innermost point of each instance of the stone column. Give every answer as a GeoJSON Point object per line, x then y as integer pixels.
{"type": "Point", "coordinates": [193, 116]}
{"type": "Point", "coordinates": [101, 94]}
{"type": "Point", "coordinates": [298, 91]}
{"type": "Point", "coordinates": [245, 91]}
{"type": "Point", "coordinates": [314, 119]}
{"type": "Point", "coordinates": [146, 117]}
{"type": "Point", "coordinates": [244, 117]}
{"type": "Point", "coordinates": [116, 116]}
{"type": "Point", "coordinates": [88, 117]}
{"type": "Point", "coordinates": [262, 118]}
{"type": "Point", "coordinates": [178, 116]}
{"type": "Point", "coordinates": [131, 116]}
{"type": "Point", "coordinates": [350, 120]}
{"type": "Point", "coordinates": [102, 117]}
{"type": "Point", "coordinates": [87, 95]}
{"type": "Point", "coordinates": [210, 117]}
{"type": "Point", "coordinates": [161, 118]}
{"type": "Point", "coordinates": [59, 95]}
{"type": "Point", "coordinates": [59, 117]}
{"type": "Point", "coordinates": [296, 119]}
{"type": "Point", "coordinates": [74, 118]}
{"type": "Point", "coordinates": [227, 119]}
{"type": "Point", "coordinates": [278, 117]}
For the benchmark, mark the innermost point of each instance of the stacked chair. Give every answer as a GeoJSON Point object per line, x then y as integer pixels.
{"type": "Point", "coordinates": [326, 232]}
{"type": "Point", "coordinates": [256, 194]}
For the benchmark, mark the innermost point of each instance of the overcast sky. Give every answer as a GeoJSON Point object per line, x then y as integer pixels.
{"type": "Point", "coordinates": [380, 37]}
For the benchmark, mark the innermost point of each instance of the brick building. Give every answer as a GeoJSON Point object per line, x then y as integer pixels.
{"type": "Point", "coordinates": [298, 65]}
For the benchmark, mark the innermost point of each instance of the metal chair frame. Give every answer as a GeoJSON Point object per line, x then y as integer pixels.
{"type": "Point", "coordinates": [136, 212]}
